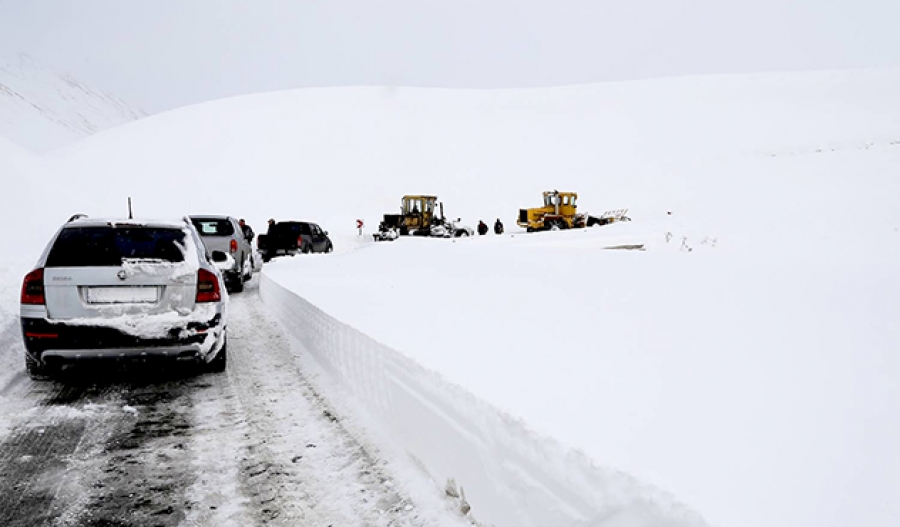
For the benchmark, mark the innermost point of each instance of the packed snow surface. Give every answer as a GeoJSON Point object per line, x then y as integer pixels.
{"type": "Point", "coordinates": [744, 362]}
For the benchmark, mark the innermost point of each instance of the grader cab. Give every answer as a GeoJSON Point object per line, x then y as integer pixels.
{"type": "Point", "coordinates": [420, 216]}
{"type": "Point", "coordinates": [417, 214]}
{"type": "Point", "coordinates": [560, 211]}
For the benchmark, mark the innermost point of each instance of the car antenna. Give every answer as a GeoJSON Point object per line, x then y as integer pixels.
{"type": "Point", "coordinates": [130, 216]}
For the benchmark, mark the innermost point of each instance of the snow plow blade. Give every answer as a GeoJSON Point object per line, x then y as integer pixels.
{"type": "Point", "coordinates": [610, 216]}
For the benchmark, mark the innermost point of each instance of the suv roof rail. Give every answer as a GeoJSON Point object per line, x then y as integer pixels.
{"type": "Point", "coordinates": [76, 217]}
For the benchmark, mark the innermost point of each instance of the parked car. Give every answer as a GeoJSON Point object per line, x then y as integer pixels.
{"type": "Point", "coordinates": [223, 233]}
{"type": "Point", "coordinates": [290, 237]}
{"type": "Point", "coordinates": [124, 289]}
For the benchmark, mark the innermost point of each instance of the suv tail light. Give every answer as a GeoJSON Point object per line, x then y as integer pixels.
{"type": "Point", "coordinates": [233, 246]}
{"type": "Point", "coordinates": [33, 288]}
{"type": "Point", "coordinates": [299, 242]}
{"type": "Point", "coordinates": [207, 287]}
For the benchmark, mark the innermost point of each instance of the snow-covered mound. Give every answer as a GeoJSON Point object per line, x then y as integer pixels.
{"type": "Point", "coordinates": [42, 110]}
{"type": "Point", "coordinates": [744, 362]}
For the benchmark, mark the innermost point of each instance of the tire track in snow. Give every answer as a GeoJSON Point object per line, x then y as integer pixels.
{"type": "Point", "coordinates": [144, 467]}
{"type": "Point", "coordinates": [303, 467]}
{"type": "Point", "coordinates": [99, 447]}
{"type": "Point", "coordinates": [43, 459]}
{"type": "Point", "coordinates": [144, 446]}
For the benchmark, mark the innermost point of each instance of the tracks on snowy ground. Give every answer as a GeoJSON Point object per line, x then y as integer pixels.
{"type": "Point", "coordinates": [169, 446]}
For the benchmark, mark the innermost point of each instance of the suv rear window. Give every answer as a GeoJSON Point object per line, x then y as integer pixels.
{"type": "Point", "coordinates": [295, 228]}
{"type": "Point", "coordinates": [213, 226]}
{"type": "Point", "coordinates": [108, 246]}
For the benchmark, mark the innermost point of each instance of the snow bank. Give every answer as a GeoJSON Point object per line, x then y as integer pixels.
{"type": "Point", "coordinates": [17, 170]}
{"type": "Point", "coordinates": [722, 378]}
{"type": "Point", "coordinates": [509, 474]}
{"type": "Point", "coordinates": [29, 201]}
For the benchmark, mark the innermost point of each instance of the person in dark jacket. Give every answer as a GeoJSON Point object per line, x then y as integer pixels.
{"type": "Point", "coordinates": [498, 227]}
{"type": "Point", "coordinates": [248, 232]}
{"type": "Point", "coordinates": [482, 228]}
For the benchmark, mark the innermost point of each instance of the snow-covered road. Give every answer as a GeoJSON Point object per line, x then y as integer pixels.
{"type": "Point", "coordinates": [168, 446]}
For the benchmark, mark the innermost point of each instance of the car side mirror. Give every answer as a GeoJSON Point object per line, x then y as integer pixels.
{"type": "Point", "coordinates": [326, 233]}
{"type": "Point", "coordinates": [219, 256]}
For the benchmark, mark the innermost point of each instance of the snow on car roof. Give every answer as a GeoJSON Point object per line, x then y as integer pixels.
{"type": "Point", "coordinates": [211, 216]}
{"type": "Point", "coordinates": [126, 222]}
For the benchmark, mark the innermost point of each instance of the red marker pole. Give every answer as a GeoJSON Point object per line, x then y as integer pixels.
{"type": "Point", "coordinates": [359, 225]}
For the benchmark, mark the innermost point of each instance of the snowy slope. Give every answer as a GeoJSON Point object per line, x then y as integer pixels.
{"type": "Point", "coordinates": [485, 153]}
{"type": "Point", "coordinates": [19, 171]}
{"type": "Point", "coordinates": [42, 110]}
{"type": "Point", "coordinates": [742, 363]}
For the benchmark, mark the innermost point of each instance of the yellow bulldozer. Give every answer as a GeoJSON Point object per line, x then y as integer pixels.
{"type": "Point", "coordinates": [560, 211]}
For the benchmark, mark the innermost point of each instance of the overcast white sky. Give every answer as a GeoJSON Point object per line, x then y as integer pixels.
{"type": "Point", "coordinates": [165, 53]}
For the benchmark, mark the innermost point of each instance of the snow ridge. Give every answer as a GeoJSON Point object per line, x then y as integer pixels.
{"type": "Point", "coordinates": [42, 110]}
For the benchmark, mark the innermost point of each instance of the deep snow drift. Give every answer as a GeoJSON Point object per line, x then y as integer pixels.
{"type": "Point", "coordinates": [744, 362]}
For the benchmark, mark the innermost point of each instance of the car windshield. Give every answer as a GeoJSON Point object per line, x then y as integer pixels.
{"type": "Point", "coordinates": [110, 246]}
{"type": "Point", "coordinates": [213, 226]}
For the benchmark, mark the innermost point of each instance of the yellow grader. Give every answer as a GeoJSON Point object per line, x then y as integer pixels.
{"type": "Point", "coordinates": [560, 211]}
{"type": "Point", "coordinates": [420, 216]}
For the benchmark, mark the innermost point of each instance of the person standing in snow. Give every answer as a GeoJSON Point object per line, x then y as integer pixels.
{"type": "Point", "coordinates": [482, 228]}
{"type": "Point", "coordinates": [248, 232]}
{"type": "Point", "coordinates": [498, 227]}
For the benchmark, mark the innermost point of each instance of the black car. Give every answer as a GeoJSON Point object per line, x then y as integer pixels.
{"type": "Point", "coordinates": [290, 237]}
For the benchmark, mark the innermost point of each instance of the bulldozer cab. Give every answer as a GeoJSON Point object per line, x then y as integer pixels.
{"type": "Point", "coordinates": [560, 203]}
{"type": "Point", "coordinates": [418, 211]}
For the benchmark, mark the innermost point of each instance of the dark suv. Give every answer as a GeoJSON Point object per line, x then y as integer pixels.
{"type": "Point", "coordinates": [290, 237]}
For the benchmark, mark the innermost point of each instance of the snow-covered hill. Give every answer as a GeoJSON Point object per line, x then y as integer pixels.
{"type": "Point", "coordinates": [745, 362]}
{"type": "Point", "coordinates": [41, 109]}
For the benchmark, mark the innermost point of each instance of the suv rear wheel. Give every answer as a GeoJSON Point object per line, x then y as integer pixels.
{"type": "Point", "coordinates": [35, 369]}
{"type": "Point", "coordinates": [218, 364]}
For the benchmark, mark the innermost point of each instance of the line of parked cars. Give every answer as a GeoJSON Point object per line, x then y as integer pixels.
{"type": "Point", "coordinates": [134, 289]}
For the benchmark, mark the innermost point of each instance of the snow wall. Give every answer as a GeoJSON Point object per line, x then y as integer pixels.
{"type": "Point", "coordinates": [511, 476]}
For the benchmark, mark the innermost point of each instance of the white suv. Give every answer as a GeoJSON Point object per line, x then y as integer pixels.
{"type": "Point", "coordinates": [124, 289]}
{"type": "Point", "coordinates": [223, 233]}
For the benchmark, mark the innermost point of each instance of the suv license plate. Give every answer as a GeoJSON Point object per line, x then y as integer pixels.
{"type": "Point", "coordinates": [122, 295]}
